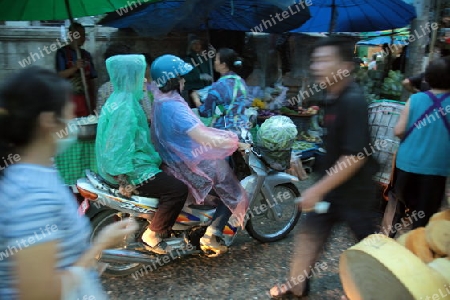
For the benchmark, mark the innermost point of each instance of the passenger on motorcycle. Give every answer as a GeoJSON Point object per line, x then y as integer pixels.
{"type": "Point", "coordinates": [194, 153]}
{"type": "Point", "coordinates": [125, 153]}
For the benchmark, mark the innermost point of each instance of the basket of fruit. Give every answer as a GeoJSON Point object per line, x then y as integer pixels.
{"type": "Point", "coordinates": [305, 136]}
{"type": "Point", "coordinates": [264, 114]}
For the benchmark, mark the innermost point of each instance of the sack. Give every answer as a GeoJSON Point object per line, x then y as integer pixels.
{"type": "Point", "coordinates": [296, 168]}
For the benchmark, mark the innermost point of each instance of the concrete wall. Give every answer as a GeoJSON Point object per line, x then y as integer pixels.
{"type": "Point", "coordinates": [300, 46]}
{"type": "Point", "coordinates": [18, 43]}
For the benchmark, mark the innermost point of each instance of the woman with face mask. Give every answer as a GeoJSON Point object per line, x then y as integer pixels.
{"type": "Point", "coordinates": [44, 242]}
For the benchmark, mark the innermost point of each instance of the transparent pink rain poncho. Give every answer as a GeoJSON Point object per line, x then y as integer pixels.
{"type": "Point", "coordinates": [201, 167]}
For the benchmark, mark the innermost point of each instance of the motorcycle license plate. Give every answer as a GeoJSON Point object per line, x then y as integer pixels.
{"type": "Point", "coordinates": [84, 206]}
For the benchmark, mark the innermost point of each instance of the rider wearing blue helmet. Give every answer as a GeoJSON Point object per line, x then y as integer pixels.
{"type": "Point", "coordinates": [194, 153]}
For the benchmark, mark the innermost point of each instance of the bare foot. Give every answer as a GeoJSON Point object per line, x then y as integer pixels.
{"type": "Point", "coordinates": [344, 298]}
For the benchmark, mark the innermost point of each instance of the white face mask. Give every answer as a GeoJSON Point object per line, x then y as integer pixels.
{"type": "Point", "coordinates": [66, 137]}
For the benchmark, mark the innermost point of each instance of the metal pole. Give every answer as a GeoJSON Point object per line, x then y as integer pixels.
{"type": "Point", "coordinates": [437, 10]}
{"type": "Point", "coordinates": [78, 52]}
{"type": "Point", "coordinates": [208, 37]}
{"type": "Point", "coordinates": [333, 17]}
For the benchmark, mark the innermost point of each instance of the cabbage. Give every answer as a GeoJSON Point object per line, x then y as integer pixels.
{"type": "Point", "coordinates": [277, 133]}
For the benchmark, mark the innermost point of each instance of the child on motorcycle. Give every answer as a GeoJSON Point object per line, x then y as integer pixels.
{"type": "Point", "coordinates": [194, 153]}
{"type": "Point", "coordinates": [125, 154]}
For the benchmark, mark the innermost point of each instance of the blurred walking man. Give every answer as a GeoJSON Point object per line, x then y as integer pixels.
{"type": "Point", "coordinates": [346, 169]}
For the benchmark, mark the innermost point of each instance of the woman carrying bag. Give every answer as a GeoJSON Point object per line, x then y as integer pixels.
{"type": "Point", "coordinates": [422, 162]}
{"type": "Point", "coordinates": [227, 98]}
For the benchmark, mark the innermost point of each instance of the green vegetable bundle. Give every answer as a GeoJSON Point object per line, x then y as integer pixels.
{"type": "Point", "coordinates": [277, 133]}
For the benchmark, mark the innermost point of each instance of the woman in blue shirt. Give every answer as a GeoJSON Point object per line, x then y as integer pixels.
{"type": "Point", "coordinates": [227, 98]}
{"type": "Point", "coordinates": [45, 251]}
{"type": "Point", "coordinates": [423, 161]}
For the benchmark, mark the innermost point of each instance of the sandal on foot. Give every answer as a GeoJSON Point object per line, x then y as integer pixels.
{"type": "Point", "coordinates": [161, 248]}
{"type": "Point", "coordinates": [288, 294]}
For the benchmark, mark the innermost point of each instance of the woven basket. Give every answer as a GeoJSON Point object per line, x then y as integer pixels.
{"type": "Point", "coordinates": [380, 268]}
{"type": "Point", "coordinates": [383, 116]}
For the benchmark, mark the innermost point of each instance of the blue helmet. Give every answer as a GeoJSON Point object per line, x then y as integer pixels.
{"type": "Point", "coordinates": [168, 66]}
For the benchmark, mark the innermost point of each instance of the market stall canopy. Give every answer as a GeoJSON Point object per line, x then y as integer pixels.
{"type": "Point", "coordinates": [357, 15]}
{"type": "Point", "coordinates": [43, 10]}
{"type": "Point", "coordinates": [382, 40]}
{"type": "Point", "coordinates": [160, 18]}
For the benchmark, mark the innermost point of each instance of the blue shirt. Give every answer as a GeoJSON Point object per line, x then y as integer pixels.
{"type": "Point", "coordinates": [37, 208]}
{"type": "Point", "coordinates": [426, 150]}
{"type": "Point", "coordinates": [66, 57]}
{"type": "Point", "coordinates": [175, 130]}
{"type": "Point", "coordinates": [221, 94]}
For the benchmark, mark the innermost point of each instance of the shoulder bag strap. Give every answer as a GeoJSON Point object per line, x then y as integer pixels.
{"type": "Point", "coordinates": [436, 104]}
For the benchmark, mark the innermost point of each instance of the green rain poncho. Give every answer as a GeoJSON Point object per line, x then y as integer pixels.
{"type": "Point", "coordinates": [123, 145]}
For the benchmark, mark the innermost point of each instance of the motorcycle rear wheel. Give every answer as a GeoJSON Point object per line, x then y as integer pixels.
{"type": "Point", "coordinates": [100, 221]}
{"type": "Point", "coordinates": [262, 219]}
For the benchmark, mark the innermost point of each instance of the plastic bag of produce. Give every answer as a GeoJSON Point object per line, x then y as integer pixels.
{"type": "Point", "coordinates": [277, 133]}
{"type": "Point", "coordinates": [274, 141]}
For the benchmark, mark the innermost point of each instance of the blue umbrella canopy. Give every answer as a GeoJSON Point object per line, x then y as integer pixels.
{"type": "Point", "coordinates": [160, 18]}
{"type": "Point", "coordinates": [357, 15]}
{"type": "Point", "coordinates": [381, 40]}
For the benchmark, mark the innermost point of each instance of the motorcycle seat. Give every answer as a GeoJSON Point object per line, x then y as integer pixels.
{"type": "Point", "coordinates": [201, 207]}
{"type": "Point", "coordinates": [101, 179]}
{"type": "Point", "coordinates": [114, 186]}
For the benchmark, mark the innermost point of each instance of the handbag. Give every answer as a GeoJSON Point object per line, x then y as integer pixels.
{"type": "Point", "coordinates": [396, 207]}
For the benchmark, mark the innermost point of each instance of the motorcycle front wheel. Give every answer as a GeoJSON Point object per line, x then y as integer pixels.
{"type": "Point", "coordinates": [262, 224]}
{"type": "Point", "coordinates": [100, 221]}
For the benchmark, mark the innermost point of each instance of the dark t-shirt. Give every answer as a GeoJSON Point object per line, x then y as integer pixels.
{"type": "Point", "coordinates": [346, 123]}
{"type": "Point", "coordinates": [418, 81]}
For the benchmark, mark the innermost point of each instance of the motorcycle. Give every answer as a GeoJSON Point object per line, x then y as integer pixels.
{"type": "Point", "coordinates": [271, 215]}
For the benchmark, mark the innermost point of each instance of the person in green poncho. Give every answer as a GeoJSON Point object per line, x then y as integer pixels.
{"type": "Point", "coordinates": [125, 154]}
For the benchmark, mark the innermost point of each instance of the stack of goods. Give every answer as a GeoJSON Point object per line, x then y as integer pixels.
{"type": "Point", "coordinates": [383, 116]}
{"type": "Point", "coordinates": [304, 149]}
{"type": "Point", "coordinates": [296, 168]}
{"type": "Point", "coordinates": [300, 151]}
{"type": "Point", "coordinates": [271, 98]}
{"type": "Point", "coordinates": [301, 117]}
{"type": "Point", "coordinates": [431, 243]}
{"type": "Point", "coordinates": [392, 87]}
{"type": "Point", "coordinates": [415, 266]}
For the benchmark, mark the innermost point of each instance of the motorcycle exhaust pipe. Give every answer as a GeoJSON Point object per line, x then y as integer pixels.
{"type": "Point", "coordinates": [130, 256]}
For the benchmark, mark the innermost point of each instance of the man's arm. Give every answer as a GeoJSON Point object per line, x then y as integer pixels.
{"type": "Point", "coordinates": [413, 83]}
{"type": "Point", "coordinates": [409, 86]}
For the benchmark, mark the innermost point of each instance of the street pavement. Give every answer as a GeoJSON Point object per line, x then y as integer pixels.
{"type": "Point", "coordinates": [247, 271]}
